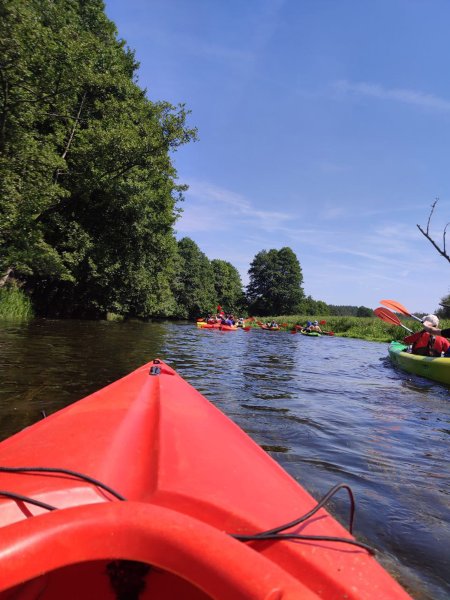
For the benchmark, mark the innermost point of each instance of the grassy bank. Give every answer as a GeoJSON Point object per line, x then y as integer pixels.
{"type": "Point", "coordinates": [14, 304]}
{"type": "Point", "coordinates": [364, 328]}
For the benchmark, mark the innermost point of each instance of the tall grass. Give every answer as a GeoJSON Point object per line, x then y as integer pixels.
{"type": "Point", "coordinates": [14, 304]}
{"type": "Point", "coordinates": [365, 328]}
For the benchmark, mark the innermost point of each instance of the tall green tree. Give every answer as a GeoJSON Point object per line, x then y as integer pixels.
{"type": "Point", "coordinates": [88, 188]}
{"type": "Point", "coordinates": [228, 286]}
{"type": "Point", "coordinates": [275, 284]}
{"type": "Point", "coordinates": [194, 285]}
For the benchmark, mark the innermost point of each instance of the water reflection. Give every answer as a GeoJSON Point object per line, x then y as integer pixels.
{"type": "Point", "coordinates": [329, 410]}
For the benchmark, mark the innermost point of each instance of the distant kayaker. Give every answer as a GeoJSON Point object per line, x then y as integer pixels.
{"type": "Point", "coordinates": [315, 327]}
{"type": "Point", "coordinates": [425, 342]}
{"type": "Point", "coordinates": [312, 326]}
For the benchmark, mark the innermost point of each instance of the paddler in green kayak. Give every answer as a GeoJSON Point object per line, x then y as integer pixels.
{"type": "Point", "coordinates": [312, 326]}
{"type": "Point", "coordinates": [434, 330]}
{"type": "Point", "coordinates": [425, 343]}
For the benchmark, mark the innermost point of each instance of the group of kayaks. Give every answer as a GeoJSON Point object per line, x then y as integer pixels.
{"type": "Point", "coordinates": [202, 324]}
{"type": "Point", "coordinates": [145, 490]}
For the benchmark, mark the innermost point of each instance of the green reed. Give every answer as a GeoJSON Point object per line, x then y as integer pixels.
{"type": "Point", "coordinates": [14, 304]}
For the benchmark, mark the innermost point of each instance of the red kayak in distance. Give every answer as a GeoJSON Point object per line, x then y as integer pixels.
{"type": "Point", "coordinates": [145, 490]}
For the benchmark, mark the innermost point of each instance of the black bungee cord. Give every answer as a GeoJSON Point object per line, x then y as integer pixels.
{"type": "Point", "coordinates": [75, 474]}
{"type": "Point", "coordinates": [276, 532]}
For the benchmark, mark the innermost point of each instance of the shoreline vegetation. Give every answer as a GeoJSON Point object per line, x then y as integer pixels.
{"type": "Point", "coordinates": [15, 305]}
{"type": "Point", "coordinates": [370, 329]}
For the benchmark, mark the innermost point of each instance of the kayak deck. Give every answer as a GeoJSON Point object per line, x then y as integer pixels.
{"type": "Point", "coordinates": [435, 368]}
{"type": "Point", "coordinates": [181, 478]}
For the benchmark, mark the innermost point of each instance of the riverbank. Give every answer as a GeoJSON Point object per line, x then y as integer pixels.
{"type": "Point", "coordinates": [364, 328]}
{"type": "Point", "coordinates": [15, 305]}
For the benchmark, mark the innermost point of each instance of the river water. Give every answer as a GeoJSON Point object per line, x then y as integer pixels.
{"type": "Point", "coordinates": [328, 409]}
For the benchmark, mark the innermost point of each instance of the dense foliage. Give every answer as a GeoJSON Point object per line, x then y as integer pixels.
{"type": "Point", "coordinates": [195, 282]}
{"type": "Point", "coordinates": [228, 286]}
{"type": "Point", "coordinates": [275, 283]}
{"type": "Point", "coordinates": [88, 191]}
{"type": "Point", "coordinates": [350, 311]}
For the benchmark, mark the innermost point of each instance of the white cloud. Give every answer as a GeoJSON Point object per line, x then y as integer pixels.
{"type": "Point", "coordinates": [211, 207]}
{"type": "Point", "coordinates": [404, 96]}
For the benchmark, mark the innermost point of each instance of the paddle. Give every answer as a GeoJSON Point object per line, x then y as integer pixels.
{"type": "Point", "coordinates": [389, 317]}
{"type": "Point", "coordinates": [393, 305]}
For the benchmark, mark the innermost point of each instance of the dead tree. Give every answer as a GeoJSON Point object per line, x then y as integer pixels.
{"type": "Point", "coordinates": [442, 251]}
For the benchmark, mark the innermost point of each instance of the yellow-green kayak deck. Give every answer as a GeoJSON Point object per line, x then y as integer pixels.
{"type": "Point", "coordinates": [437, 369]}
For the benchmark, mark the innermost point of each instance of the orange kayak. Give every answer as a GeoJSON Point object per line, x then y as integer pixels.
{"type": "Point", "coordinates": [220, 326]}
{"type": "Point", "coordinates": [145, 490]}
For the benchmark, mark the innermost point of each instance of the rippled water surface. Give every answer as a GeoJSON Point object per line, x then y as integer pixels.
{"type": "Point", "coordinates": [328, 409]}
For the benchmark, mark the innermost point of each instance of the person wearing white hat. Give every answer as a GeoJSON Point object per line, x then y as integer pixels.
{"type": "Point", "coordinates": [433, 328]}
{"type": "Point", "coordinates": [424, 342]}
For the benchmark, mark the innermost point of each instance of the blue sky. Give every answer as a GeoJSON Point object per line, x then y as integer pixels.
{"type": "Point", "coordinates": [324, 125]}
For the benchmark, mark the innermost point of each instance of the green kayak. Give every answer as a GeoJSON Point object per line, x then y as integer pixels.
{"type": "Point", "coordinates": [437, 369]}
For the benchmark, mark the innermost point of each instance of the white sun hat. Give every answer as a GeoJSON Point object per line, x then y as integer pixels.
{"type": "Point", "coordinates": [431, 320]}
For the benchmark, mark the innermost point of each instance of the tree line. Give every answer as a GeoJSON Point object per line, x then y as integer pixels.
{"type": "Point", "coordinates": [89, 195]}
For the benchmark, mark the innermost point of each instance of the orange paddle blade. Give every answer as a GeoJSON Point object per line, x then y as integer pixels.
{"type": "Point", "coordinates": [386, 315]}
{"type": "Point", "coordinates": [389, 317]}
{"type": "Point", "coordinates": [393, 305]}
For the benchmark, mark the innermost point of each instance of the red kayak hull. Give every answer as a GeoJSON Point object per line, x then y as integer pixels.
{"type": "Point", "coordinates": [190, 477]}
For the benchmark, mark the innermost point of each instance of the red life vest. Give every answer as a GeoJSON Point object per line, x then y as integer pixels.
{"type": "Point", "coordinates": [426, 344]}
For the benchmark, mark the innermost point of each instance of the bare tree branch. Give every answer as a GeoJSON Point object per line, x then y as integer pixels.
{"type": "Point", "coordinates": [72, 133]}
{"type": "Point", "coordinates": [442, 251]}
